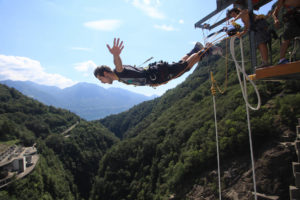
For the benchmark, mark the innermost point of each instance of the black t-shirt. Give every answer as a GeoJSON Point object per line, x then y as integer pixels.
{"type": "Point", "coordinates": [154, 74]}
{"type": "Point", "coordinates": [133, 75]}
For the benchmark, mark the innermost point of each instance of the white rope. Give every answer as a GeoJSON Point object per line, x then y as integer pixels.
{"type": "Point", "coordinates": [217, 143]}
{"type": "Point", "coordinates": [211, 37]}
{"type": "Point", "coordinates": [245, 96]}
{"type": "Point", "coordinates": [242, 70]}
{"type": "Point", "coordinates": [203, 36]}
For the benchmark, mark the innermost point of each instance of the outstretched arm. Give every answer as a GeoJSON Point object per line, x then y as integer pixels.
{"type": "Point", "coordinates": [238, 16]}
{"type": "Point", "coordinates": [244, 16]}
{"type": "Point", "coordinates": [116, 51]}
{"type": "Point", "coordinates": [275, 13]}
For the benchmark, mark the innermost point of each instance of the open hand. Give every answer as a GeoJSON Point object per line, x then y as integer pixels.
{"type": "Point", "coordinates": [117, 47]}
{"type": "Point", "coordinates": [277, 24]}
{"type": "Point", "coordinates": [239, 35]}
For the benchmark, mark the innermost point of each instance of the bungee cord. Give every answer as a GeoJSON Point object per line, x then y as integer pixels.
{"type": "Point", "coordinates": [213, 91]}
{"type": "Point", "coordinates": [243, 84]}
{"type": "Point", "coordinates": [245, 96]}
{"type": "Point", "coordinates": [240, 70]}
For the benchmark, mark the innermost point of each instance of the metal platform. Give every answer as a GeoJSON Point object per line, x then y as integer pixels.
{"type": "Point", "coordinates": [290, 71]}
{"type": "Point", "coordinates": [221, 5]}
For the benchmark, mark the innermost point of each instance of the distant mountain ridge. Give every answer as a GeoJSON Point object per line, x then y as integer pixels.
{"type": "Point", "coordinates": [89, 101]}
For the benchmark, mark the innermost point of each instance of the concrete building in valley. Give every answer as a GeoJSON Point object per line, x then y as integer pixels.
{"type": "Point", "coordinates": [16, 162]}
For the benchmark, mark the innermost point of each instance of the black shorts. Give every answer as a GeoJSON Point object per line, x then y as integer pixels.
{"type": "Point", "coordinates": [261, 31]}
{"type": "Point", "coordinates": [162, 72]}
{"type": "Point", "coordinates": [291, 25]}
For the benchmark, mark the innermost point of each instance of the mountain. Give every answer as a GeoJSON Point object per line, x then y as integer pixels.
{"type": "Point", "coordinates": [67, 165]}
{"type": "Point", "coordinates": [46, 94]}
{"type": "Point", "coordinates": [89, 101]}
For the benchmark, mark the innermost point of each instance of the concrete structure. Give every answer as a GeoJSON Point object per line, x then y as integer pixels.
{"type": "Point", "coordinates": [295, 189]}
{"type": "Point", "coordinates": [16, 162]}
{"type": "Point", "coordinates": [19, 165]}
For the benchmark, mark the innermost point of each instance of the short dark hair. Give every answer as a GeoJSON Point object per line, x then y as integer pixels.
{"type": "Point", "coordinates": [236, 10]}
{"type": "Point", "coordinates": [101, 69]}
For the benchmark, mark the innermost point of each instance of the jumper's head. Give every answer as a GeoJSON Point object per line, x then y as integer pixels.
{"type": "Point", "coordinates": [104, 74]}
{"type": "Point", "coordinates": [233, 12]}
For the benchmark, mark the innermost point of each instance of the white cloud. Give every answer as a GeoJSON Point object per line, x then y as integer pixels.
{"type": "Point", "coordinates": [165, 27]}
{"type": "Point", "coordinates": [81, 49]}
{"type": "Point", "coordinates": [149, 7]}
{"type": "Point", "coordinates": [104, 25]}
{"type": "Point", "coordinates": [85, 67]}
{"type": "Point", "coordinates": [181, 21]}
{"type": "Point", "coordinates": [25, 69]}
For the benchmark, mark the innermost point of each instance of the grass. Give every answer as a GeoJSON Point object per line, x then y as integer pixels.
{"type": "Point", "coordinates": [9, 143]}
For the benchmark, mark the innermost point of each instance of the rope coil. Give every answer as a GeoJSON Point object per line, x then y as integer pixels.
{"type": "Point", "coordinates": [240, 70]}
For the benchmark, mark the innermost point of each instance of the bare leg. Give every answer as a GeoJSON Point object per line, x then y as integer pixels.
{"type": "Point", "coordinates": [192, 60]}
{"type": "Point", "coordinates": [284, 46]}
{"type": "Point", "coordinates": [263, 52]}
{"type": "Point", "coordinates": [187, 57]}
{"type": "Point", "coordinates": [184, 58]}
{"type": "Point", "coordinates": [198, 46]}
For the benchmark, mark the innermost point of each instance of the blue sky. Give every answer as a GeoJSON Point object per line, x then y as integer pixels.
{"type": "Point", "coordinates": [60, 42]}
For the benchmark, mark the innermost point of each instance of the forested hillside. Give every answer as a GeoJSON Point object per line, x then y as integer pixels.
{"type": "Point", "coordinates": [161, 149]}
{"type": "Point", "coordinates": [67, 165]}
{"type": "Point", "coordinates": [169, 144]}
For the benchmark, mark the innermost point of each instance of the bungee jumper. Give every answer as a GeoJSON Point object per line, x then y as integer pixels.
{"type": "Point", "coordinates": [155, 74]}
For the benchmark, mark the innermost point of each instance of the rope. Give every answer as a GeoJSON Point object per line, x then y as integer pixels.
{"type": "Point", "coordinates": [226, 75]}
{"type": "Point", "coordinates": [219, 16]}
{"type": "Point", "coordinates": [146, 61]}
{"type": "Point", "coordinates": [242, 70]}
{"type": "Point", "coordinates": [245, 96]}
{"type": "Point", "coordinates": [203, 36]}
{"type": "Point", "coordinates": [226, 79]}
{"type": "Point", "coordinates": [213, 91]}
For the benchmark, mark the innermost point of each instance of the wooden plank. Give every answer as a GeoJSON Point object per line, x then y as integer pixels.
{"type": "Point", "coordinates": [278, 72]}
{"type": "Point", "coordinates": [294, 193]}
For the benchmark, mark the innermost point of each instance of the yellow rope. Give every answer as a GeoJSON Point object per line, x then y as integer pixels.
{"type": "Point", "coordinates": [212, 88]}
{"type": "Point", "coordinates": [213, 81]}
